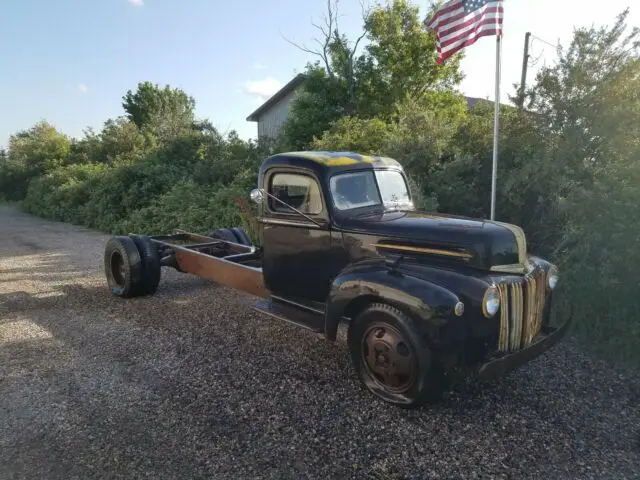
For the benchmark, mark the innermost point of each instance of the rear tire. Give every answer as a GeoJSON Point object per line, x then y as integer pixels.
{"type": "Point", "coordinates": [151, 270]}
{"type": "Point", "coordinates": [123, 267]}
{"type": "Point", "coordinates": [392, 358]}
{"type": "Point", "coordinates": [241, 235]}
{"type": "Point", "coordinates": [223, 234]}
{"type": "Point", "coordinates": [234, 235]}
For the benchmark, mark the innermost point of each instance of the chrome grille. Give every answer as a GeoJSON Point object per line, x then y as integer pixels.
{"type": "Point", "coordinates": [521, 308]}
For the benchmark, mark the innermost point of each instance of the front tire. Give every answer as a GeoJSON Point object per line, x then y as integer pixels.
{"type": "Point", "coordinates": [391, 356]}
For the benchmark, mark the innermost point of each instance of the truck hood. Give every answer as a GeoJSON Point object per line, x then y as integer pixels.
{"type": "Point", "coordinates": [478, 243]}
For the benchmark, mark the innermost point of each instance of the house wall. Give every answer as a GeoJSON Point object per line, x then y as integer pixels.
{"type": "Point", "coordinates": [271, 121]}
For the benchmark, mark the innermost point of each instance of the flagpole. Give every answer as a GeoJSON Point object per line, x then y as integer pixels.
{"type": "Point", "coordinates": [496, 127]}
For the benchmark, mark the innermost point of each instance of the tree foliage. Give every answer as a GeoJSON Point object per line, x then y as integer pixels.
{"type": "Point", "coordinates": [403, 61]}
{"type": "Point", "coordinates": [165, 111]}
{"type": "Point", "coordinates": [397, 65]}
{"type": "Point", "coordinates": [32, 152]}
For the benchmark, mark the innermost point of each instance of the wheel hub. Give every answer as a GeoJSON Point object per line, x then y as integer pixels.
{"type": "Point", "coordinates": [382, 360]}
{"type": "Point", "coordinates": [389, 357]}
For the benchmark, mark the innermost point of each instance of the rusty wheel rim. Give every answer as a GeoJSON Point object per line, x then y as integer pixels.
{"type": "Point", "coordinates": [389, 358]}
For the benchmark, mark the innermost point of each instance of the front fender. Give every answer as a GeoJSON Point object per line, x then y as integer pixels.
{"type": "Point", "coordinates": [420, 298]}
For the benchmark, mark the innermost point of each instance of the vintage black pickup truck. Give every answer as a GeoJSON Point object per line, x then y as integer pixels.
{"type": "Point", "coordinates": [424, 295]}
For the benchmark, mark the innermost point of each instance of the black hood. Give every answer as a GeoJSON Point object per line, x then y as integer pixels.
{"type": "Point", "coordinates": [479, 243]}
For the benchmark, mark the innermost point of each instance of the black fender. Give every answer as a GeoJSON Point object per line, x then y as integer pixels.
{"type": "Point", "coordinates": [418, 297]}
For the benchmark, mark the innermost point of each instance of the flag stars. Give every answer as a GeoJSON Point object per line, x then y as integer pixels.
{"type": "Point", "coordinates": [471, 5]}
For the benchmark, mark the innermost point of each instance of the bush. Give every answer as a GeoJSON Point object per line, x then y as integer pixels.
{"type": "Point", "coordinates": [62, 193]}
{"type": "Point", "coordinates": [191, 182]}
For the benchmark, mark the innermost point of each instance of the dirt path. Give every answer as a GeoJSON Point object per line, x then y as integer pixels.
{"type": "Point", "coordinates": [191, 383]}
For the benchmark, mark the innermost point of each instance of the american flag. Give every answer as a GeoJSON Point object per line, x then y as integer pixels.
{"type": "Point", "coordinates": [459, 23]}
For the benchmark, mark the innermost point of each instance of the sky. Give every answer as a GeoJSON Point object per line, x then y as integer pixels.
{"type": "Point", "coordinates": [71, 61]}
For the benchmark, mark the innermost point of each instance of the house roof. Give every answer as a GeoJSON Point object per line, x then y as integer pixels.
{"type": "Point", "coordinates": [471, 101]}
{"type": "Point", "coordinates": [276, 97]}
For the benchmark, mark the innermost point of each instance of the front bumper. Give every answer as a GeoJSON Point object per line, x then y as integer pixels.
{"type": "Point", "coordinates": [548, 337]}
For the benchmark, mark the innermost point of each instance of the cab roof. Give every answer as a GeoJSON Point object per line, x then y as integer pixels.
{"type": "Point", "coordinates": [324, 162]}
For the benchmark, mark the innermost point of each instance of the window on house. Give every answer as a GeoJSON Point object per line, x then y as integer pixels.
{"type": "Point", "coordinates": [300, 191]}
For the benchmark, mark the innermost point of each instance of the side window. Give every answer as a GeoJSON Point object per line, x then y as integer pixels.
{"type": "Point", "coordinates": [300, 191]}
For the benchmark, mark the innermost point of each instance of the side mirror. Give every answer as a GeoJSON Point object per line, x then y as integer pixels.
{"type": "Point", "coordinates": [256, 196]}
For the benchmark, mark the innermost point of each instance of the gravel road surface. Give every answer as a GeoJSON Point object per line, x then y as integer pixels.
{"type": "Point", "coordinates": [191, 383]}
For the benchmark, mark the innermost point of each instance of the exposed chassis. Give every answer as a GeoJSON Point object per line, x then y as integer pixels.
{"type": "Point", "coordinates": [224, 262]}
{"type": "Point", "coordinates": [240, 267]}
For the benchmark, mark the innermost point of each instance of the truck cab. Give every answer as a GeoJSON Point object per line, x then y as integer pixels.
{"type": "Point", "coordinates": [310, 200]}
{"type": "Point", "coordinates": [423, 295]}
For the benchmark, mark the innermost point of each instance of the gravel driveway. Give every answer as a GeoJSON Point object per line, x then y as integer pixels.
{"type": "Point", "coordinates": [191, 383]}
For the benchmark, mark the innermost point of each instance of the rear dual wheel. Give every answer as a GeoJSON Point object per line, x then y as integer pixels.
{"type": "Point", "coordinates": [132, 266]}
{"type": "Point", "coordinates": [392, 358]}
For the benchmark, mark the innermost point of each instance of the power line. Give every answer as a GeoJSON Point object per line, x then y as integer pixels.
{"type": "Point", "coordinates": [543, 41]}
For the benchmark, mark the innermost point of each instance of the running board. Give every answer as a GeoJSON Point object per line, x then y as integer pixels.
{"type": "Point", "coordinates": [309, 319]}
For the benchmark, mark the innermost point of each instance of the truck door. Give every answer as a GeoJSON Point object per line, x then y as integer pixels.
{"type": "Point", "coordinates": [296, 250]}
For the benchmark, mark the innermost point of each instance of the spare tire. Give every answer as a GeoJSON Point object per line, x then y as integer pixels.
{"type": "Point", "coordinates": [241, 235]}
{"type": "Point", "coordinates": [123, 267]}
{"type": "Point", "coordinates": [150, 264]}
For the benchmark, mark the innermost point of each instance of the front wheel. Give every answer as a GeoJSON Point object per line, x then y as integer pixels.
{"type": "Point", "coordinates": [391, 356]}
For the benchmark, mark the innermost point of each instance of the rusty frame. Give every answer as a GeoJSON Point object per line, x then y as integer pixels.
{"type": "Point", "coordinates": [220, 261]}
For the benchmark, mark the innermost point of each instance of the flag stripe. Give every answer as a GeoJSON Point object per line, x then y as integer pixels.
{"type": "Point", "coordinates": [459, 23]}
{"type": "Point", "coordinates": [469, 42]}
{"type": "Point", "coordinates": [453, 20]}
{"type": "Point", "coordinates": [469, 31]}
{"type": "Point", "coordinates": [468, 20]}
{"type": "Point", "coordinates": [459, 15]}
{"type": "Point", "coordinates": [446, 12]}
{"type": "Point", "coordinates": [491, 28]}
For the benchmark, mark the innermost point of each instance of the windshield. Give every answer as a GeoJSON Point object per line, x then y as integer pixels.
{"type": "Point", "coordinates": [369, 188]}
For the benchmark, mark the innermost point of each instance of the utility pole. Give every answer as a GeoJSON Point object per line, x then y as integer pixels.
{"type": "Point", "coordinates": [525, 63]}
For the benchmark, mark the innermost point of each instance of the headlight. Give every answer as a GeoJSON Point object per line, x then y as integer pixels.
{"type": "Point", "coordinates": [552, 278]}
{"type": "Point", "coordinates": [490, 302]}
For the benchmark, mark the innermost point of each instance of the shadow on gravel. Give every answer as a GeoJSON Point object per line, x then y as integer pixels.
{"type": "Point", "coordinates": [191, 382]}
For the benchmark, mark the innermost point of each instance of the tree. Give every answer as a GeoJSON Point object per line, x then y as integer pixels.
{"type": "Point", "coordinates": [404, 61]}
{"type": "Point", "coordinates": [397, 65]}
{"type": "Point", "coordinates": [120, 138]}
{"type": "Point", "coordinates": [590, 112]}
{"type": "Point", "coordinates": [366, 136]}
{"type": "Point", "coordinates": [569, 94]}
{"type": "Point", "coordinates": [39, 148]}
{"type": "Point", "coordinates": [166, 111]}
{"type": "Point", "coordinates": [320, 103]}
{"type": "Point", "coordinates": [31, 153]}
{"type": "Point", "coordinates": [337, 53]}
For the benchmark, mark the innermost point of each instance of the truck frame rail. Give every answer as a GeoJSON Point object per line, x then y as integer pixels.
{"type": "Point", "coordinates": [227, 263]}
